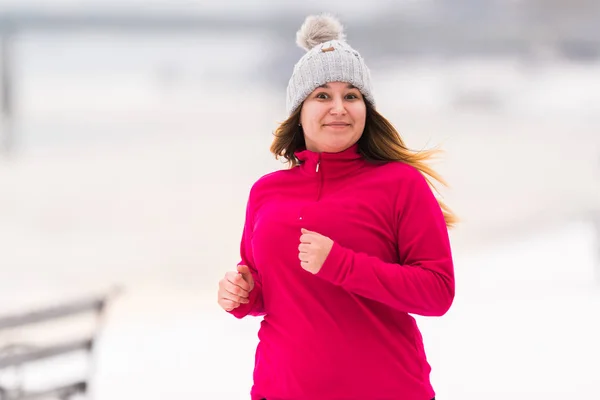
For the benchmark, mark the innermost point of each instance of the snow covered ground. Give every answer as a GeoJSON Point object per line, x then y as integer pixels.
{"type": "Point", "coordinates": [525, 324]}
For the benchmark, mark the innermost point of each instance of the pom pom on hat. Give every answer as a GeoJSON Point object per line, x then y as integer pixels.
{"type": "Point", "coordinates": [319, 29]}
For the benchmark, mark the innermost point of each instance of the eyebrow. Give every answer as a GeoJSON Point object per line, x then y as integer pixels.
{"type": "Point", "coordinates": [326, 86]}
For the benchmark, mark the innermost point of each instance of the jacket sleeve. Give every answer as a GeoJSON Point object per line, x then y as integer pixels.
{"type": "Point", "coordinates": [423, 282]}
{"type": "Point", "coordinates": [255, 305]}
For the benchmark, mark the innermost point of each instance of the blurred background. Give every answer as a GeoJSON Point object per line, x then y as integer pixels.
{"type": "Point", "coordinates": [131, 133]}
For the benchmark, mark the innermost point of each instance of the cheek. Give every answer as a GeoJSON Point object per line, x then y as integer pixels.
{"type": "Point", "coordinates": [360, 119]}
{"type": "Point", "coordinates": [313, 119]}
{"type": "Point", "coordinates": [363, 122]}
{"type": "Point", "coordinates": [309, 116]}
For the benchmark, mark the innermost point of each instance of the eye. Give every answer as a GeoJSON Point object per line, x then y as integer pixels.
{"type": "Point", "coordinates": [321, 95]}
{"type": "Point", "coordinates": [352, 96]}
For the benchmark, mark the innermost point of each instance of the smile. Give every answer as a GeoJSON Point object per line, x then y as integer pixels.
{"type": "Point", "coordinates": [337, 125]}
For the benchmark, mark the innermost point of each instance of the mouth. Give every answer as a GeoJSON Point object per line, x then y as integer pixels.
{"type": "Point", "coordinates": [337, 125]}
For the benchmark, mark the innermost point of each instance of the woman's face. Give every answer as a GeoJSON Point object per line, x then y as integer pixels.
{"type": "Point", "coordinates": [333, 117]}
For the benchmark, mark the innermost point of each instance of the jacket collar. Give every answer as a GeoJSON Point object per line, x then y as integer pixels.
{"type": "Point", "coordinates": [331, 165]}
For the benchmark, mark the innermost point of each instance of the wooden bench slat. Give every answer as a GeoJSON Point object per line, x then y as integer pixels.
{"type": "Point", "coordinates": [59, 392]}
{"type": "Point", "coordinates": [41, 353]}
{"type": "Point", "coordinates": [50, 313]}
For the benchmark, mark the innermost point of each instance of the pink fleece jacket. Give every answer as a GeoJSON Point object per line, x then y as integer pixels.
{"type": "Point", "coordinates": [346, 332]}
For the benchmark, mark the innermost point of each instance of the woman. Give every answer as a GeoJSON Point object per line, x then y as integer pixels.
{"type": "Point", "coordinates": [338, 249]}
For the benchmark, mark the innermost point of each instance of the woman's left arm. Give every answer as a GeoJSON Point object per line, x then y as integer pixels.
{"type": "Point", "coordinates": [423, 283]}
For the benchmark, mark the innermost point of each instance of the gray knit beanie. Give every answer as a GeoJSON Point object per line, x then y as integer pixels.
{"type": "Point", "coordinates": [328, 59]}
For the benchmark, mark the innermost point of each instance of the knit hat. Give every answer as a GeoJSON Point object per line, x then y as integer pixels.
{"type": "Point", "coordinates": [328, 59]}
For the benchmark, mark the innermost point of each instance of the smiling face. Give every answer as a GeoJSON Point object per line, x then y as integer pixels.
{"type": "Point", "coordinates": [333, 117]}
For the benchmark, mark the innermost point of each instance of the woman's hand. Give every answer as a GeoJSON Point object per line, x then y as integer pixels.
{"type": "Point", "coordinates": [235, 288]}
{"type": "Point", "coordinates": [313, 250]}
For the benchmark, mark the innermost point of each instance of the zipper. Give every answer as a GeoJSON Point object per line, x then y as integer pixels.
{"type": "Point", "coordinates": [320, 176]}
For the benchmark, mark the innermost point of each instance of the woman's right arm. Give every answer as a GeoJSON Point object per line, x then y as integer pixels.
{"type": "Point", "coordinates": [255, 306]}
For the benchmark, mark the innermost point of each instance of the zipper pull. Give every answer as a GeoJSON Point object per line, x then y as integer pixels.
{"type": "Point", "coordinates": [319, 163]}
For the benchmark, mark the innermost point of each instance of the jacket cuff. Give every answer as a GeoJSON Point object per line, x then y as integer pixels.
{"type": "Point", "coordinates": [246, 309]}
{"type": "Point", "coordinates": [336, 266]}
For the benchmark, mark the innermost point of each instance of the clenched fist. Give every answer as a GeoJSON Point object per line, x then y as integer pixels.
{"type": "Point", "coordinates": [313, 250]}
{"type": "Point", "coordinates": [235, 288]}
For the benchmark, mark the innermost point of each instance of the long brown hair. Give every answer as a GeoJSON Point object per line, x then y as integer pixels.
{"type": "Point", "coordinates": [379, 142]}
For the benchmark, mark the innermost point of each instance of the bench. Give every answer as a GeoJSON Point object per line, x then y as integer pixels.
{"type": "Point", "coordinates": [19, 353]}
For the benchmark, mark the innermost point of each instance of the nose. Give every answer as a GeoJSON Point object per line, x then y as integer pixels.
{"type": "Point", "coordinates": [337, 107]}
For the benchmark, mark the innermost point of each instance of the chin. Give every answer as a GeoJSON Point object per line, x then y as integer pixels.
{"type": "Point", "coordinates": [336, 147]}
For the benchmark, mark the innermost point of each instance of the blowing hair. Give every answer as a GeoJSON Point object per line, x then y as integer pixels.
{"type": "Point", "coordinates": [380, 142]}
